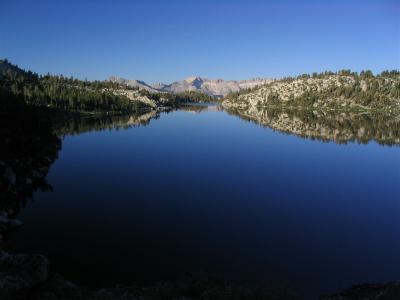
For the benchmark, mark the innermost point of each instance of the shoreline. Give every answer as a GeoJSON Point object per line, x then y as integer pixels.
{"type": "Point", "coordinates": [30, 277]}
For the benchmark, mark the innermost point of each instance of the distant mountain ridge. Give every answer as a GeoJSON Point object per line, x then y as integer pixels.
{"type": "Point", "coordinates": [217, 88]}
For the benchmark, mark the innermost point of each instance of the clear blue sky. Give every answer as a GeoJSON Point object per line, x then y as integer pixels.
{"type": "Point", "coordinates": [164, 41]}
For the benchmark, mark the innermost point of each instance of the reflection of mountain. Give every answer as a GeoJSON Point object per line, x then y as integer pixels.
{"type": "Point", "coordinates": [340, 127]}
{"type": "Point", "coordinates": [199, 107]}
{"type": "Point", "coordinates": [28, 147]}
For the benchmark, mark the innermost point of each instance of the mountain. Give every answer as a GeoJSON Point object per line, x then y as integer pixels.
{"type": "Point", "coordinates": [216, 88]}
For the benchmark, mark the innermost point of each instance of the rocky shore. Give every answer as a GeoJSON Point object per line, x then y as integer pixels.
{"type": "Point", "coordinates": [30, 277]}
{"type": "Point", "coordinates": [387, 291]}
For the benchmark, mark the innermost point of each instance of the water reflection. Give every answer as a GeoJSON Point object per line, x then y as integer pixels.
{"type": "Point", "coordinates": [340, 127]}
{"type": "Point", "coordinates": [30, 140]}
{"type": "Point", "coordinates": [29, 144]}
{"type": "Point", "coordinates": [28, 147]}
{"type": "Point", "coordinates": [200, 107]}
{"type": "Point", "coordinates": [78, 124]}
{"type": "Point", "coordinates": [269, 231]}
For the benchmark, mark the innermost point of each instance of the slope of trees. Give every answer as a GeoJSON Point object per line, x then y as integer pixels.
{"type": "Point", "coordinates": [365, 89]}
{"type": "Point", "coordinates": [326, 89]}
{"type": "Point", "coordinates": [60, 92]}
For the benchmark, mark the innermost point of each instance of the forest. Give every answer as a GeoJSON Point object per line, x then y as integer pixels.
{"type": "Point", "coordinates": [17, 85]}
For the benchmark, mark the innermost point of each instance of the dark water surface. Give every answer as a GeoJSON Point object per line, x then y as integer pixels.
{"type": "Point", "coordinates": [213, 193]}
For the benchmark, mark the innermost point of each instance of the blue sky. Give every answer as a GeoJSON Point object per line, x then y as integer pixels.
{"type": "Point", "coordinates": [163, 41]}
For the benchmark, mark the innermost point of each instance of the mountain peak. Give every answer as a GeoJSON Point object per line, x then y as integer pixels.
{"type": "Point", "coordinates": [193, 79]}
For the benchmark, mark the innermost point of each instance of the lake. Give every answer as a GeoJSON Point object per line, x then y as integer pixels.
{"type": "Point", "coordinates": [201, 190]}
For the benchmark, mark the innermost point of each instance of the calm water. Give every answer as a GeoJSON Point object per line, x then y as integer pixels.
{"type": "Point", "coordinates": [213, 193]}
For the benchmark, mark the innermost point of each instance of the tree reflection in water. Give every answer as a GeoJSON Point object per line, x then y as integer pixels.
{"type": "Point", "coordinates": [340, 127]}
{"type": "Point", "coordinates": [30, 140]}
{"type": "Point", "coordinates": [28, 147]}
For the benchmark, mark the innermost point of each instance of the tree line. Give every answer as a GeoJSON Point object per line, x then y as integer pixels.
{"type": "Point", "coordinates": [60, 92]}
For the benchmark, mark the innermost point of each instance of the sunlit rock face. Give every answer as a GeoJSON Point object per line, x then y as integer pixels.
{"type": "Point", "coordinates": [324, 91]}
{"type": "Point", "coordinates": [287, 90]}
{"type": "Point", "coordinates": [340, 127]}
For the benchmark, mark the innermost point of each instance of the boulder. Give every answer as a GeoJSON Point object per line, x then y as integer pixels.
{"type": "Point", "coordinates": [58, 287]}
{"type": "Point", "coordinates": [31, 268]}
{"type": "Point", "coordinates": [12, 287]}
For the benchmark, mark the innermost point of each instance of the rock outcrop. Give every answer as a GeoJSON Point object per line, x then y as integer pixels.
{"type": "Point", "coordinates": [346, 91]}
{"type": "Point", "coordinates": [136, 95]}
{"type": "Point", "coordinates": [19, 274]}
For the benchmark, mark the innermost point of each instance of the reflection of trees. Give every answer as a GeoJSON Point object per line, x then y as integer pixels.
{"type": "Point", "coordinates": [77, 124]}
{"type": "Point", "coordinates": [340, 127]}
{"type": "Point", "coordinates": [28, 147]}
{"type": "Point", "coordinates": [29, 144]}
